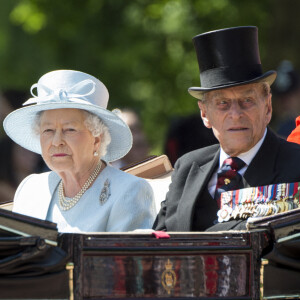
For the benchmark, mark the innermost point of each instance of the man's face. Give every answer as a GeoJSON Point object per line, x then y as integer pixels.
{"type": "Point", "coordinates": [238, 116]}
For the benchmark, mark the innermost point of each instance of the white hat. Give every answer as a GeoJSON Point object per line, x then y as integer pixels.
{"type": "Point", "coordinates": [68, 89]}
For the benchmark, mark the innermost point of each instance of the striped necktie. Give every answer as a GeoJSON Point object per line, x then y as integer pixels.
{"type": "Point", "coordinates": [228, 177]}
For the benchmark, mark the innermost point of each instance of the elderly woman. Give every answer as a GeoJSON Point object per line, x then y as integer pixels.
{"type": "Point", "coordinates": [68, 123]}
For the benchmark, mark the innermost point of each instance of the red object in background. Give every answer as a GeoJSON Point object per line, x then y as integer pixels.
{"type": "Point", "coordinates": [294, 137]}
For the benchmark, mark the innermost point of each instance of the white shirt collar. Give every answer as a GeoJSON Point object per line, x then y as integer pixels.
{"type": "Point", "coordinates": [246, 156]}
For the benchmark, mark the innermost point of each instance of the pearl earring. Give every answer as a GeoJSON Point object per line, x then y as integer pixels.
{"type": "Point", "coordinates": [96, 153]}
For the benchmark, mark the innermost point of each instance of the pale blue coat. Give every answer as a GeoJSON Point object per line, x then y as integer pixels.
{"type": "Point", "coordinates": [129, 206]}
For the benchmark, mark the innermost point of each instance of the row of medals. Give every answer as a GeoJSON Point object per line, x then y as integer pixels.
{"type": "Point", "coordinates": [250, 209]}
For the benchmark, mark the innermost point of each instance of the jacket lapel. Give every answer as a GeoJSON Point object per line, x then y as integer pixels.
{"type": "Point", "coordinates": [197, 180]}
{"type": "Point", "coordinates": [261, 170]}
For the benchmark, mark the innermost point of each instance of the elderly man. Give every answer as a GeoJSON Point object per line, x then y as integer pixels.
{"type": "Point", "coordinates": [235, 101]}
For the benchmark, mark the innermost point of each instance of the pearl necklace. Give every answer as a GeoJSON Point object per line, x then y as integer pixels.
{"type": "Point", "coordinates": [66, 204]}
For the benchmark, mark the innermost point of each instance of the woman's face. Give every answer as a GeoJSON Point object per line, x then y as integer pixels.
{"type": "Point", "coordinates": [67, 145]}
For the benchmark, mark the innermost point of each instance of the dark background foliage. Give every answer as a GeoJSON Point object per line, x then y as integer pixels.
{"type": "Point", "coordinates": [141, 49]}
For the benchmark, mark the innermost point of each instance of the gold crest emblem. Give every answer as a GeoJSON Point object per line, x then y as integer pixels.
{"type": "Point", "coordinates": [168, 277]}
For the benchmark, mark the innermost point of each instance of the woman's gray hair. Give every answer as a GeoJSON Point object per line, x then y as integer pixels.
{"type": "Point", "coordinates": [93, 123]}
{"type": "Point", "coordinates": [96, 126]}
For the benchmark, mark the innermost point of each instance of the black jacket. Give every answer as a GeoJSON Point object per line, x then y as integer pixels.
{"type": "Point", "coordinates": [277, 161]}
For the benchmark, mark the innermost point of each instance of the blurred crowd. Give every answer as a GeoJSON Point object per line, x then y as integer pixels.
{"type": "Point", "coordinates": [16, 162]}
{"type": "Point", "coordinates": [185, 133]}
{"type": "Point", "coordinates": [286, 98]}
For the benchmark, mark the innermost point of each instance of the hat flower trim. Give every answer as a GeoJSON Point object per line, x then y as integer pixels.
{"type": "Point", "coordinates": [71, 94]}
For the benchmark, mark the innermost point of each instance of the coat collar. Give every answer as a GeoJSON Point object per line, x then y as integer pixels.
{"type": "Point", "coordinates": [261, 170]}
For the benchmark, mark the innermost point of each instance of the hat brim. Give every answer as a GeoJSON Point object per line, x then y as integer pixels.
{"type": "Point", "coordinates": [198, 92]}
{"type": "Point", "coordinates": [19, 127]}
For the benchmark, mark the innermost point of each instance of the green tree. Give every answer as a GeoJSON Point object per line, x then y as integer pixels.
{"type": "Point", "coordinates": [141, 49]}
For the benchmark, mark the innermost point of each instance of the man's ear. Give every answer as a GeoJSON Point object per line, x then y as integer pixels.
{"type": "Point", "coordinates": [269, 108]}
{"type": "Point", "coordinates": [203, 114]}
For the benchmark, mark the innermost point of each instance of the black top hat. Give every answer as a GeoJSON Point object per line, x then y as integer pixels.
{"type": "Point", "coordinates": [228, 57]}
